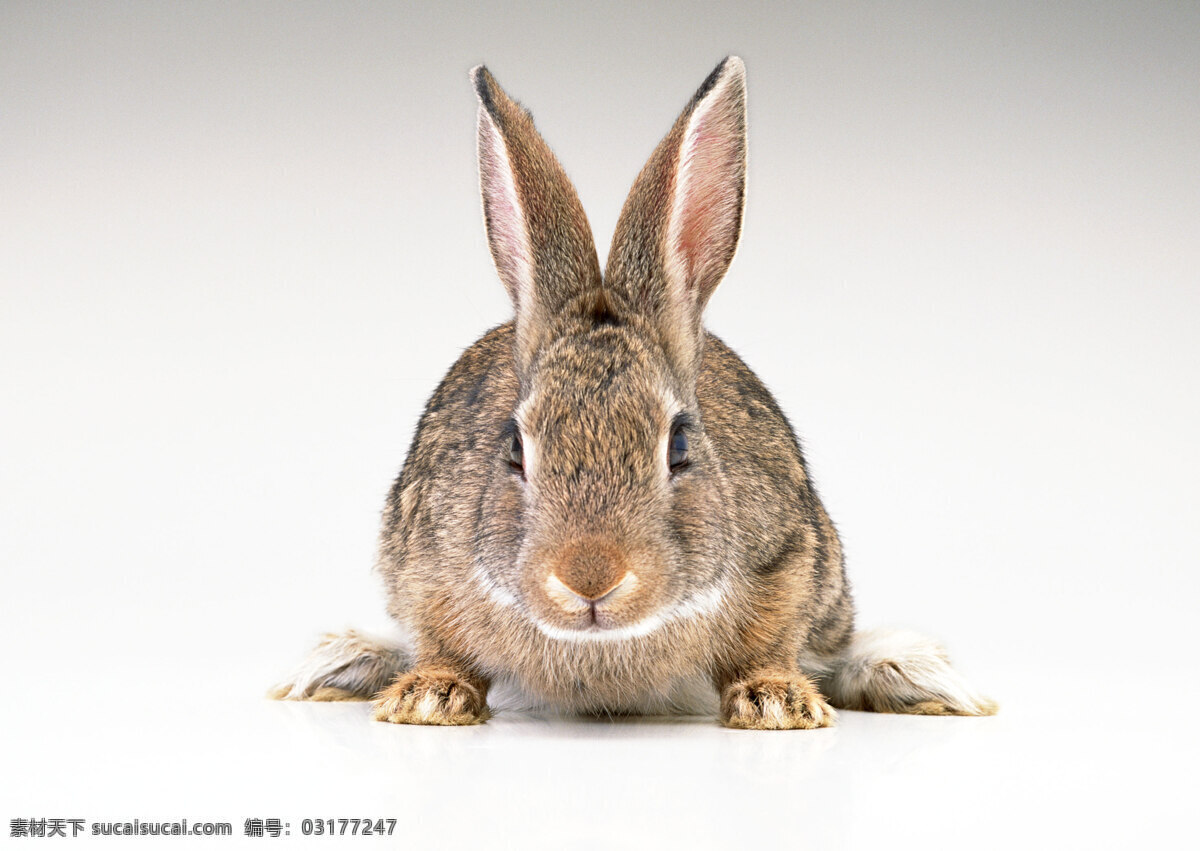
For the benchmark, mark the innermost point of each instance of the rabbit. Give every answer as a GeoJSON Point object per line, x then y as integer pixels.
{"type": "Point", "coordinates": [602, 505]}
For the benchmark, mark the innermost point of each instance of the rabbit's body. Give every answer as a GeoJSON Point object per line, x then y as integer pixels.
{"type": "Point", "coordinates": [738, 598]}
{"type": "Point", "coordinates": [602, 502]}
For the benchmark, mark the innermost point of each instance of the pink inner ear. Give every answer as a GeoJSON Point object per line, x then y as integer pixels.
{"type": "Point", "coordinates": [706, 208]}
{"type": "Point", "coordinates": [507, 236]}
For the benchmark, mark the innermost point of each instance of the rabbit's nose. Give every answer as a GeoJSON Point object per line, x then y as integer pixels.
{"type": "Point", "coordinates": [587, 575]}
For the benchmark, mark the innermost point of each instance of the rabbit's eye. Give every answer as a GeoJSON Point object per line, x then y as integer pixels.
{"type": "Point", "coordinates": [677, 454]}
{"type": "Point", "coordinates": [516, 453]}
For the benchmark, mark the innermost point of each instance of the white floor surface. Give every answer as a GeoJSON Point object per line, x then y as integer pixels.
{"type": "Point", "coordinates": [1081, 763]}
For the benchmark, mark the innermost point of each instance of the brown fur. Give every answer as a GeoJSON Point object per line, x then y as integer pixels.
{"type": "Point", "coordinates": [432, 695]}
{"type": "Point", "coordinates": [595, 372]}
{"type": "Point", "coordinates": [780, 702]}
{"type": "Point", "coordinates": [597, 575]}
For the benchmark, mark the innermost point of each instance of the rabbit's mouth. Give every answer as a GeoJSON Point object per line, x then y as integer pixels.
{"type": "Point", "coordinates": [595, 624]}
{"type": "Point", "coordinates": [596, 608]}
{"type": "Point", "coordinates": [597, 632]}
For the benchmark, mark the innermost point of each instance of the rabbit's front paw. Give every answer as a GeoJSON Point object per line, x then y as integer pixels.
{"type": "Point", "coordinates": [432, 696]}
{"type": "Point", "coordinates": [775, 702]}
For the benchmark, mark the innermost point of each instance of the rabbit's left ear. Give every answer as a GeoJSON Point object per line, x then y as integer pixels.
{"type": "Point", "coordinates": [679, 228]}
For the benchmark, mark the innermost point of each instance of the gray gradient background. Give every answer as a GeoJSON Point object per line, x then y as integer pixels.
{"type": "Point", "coordinates": [239, 245]}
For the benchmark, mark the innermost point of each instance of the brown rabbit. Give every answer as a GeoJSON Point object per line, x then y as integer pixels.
{"type": "Point", "coordinates": [603, 505]}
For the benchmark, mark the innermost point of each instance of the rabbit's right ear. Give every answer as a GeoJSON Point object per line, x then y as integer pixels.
{"type": "Point", "coordinates": [536, 228]}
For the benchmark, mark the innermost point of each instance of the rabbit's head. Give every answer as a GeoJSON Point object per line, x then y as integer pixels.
{"type": "Point", "coordinates": [612, 486]}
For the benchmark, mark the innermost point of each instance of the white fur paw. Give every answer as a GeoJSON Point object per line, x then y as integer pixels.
{"type": "Point", "coordinates": [903, 672]}
{"type": "Point", "coordinates": [432, 696]}
{"type": "Point", "coordinates": [346, 666]}
{"type": "Point", "coordinates": [775, 703]}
